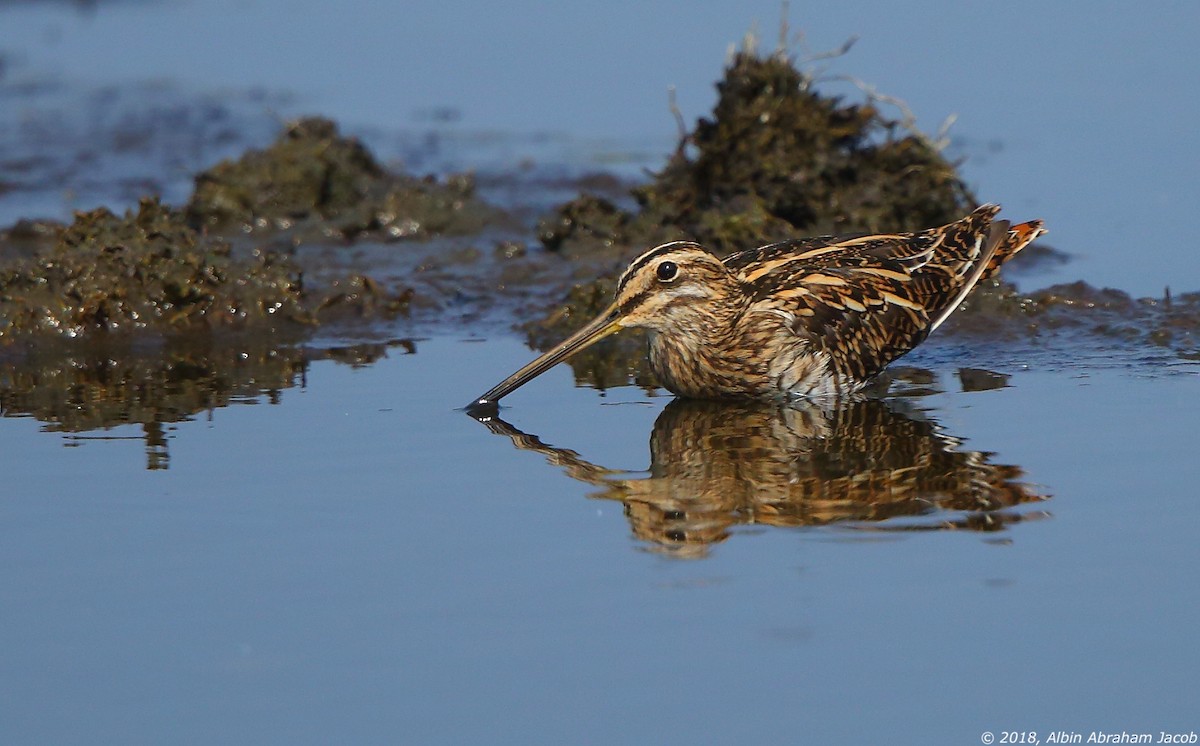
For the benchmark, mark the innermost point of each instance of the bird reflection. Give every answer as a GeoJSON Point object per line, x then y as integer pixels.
{"type": "Point", "coordinates": [867, 463]}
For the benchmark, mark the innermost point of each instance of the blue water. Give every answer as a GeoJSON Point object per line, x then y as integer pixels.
{"type": "Point", "coordinates": [353, 560]}
{"type": "Point", "coordinates": [362, 563]}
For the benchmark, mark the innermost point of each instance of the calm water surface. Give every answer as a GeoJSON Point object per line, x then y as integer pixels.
{"type": "Point", "coordinates": [360, 562]}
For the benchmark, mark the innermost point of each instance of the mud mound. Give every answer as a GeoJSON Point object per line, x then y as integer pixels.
{"type": "Point", "coordinates": [776, 160]}
{"type": "Point", "coordinates": [314, 177]}
{"type": "Point", "coordinates": [147, 268]}
{"type": "Point", "coordinates": [150, 270]}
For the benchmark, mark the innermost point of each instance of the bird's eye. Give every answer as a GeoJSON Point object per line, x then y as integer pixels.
{"type": "Point", "coordinates": [667, 271]}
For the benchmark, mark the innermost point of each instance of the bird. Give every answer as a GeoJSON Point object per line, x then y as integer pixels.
{"type": "Point", "coordinates": [811, 318]}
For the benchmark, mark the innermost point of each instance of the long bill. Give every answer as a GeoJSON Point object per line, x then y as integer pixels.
{"type": "Point", "coordinates": [595, 330]}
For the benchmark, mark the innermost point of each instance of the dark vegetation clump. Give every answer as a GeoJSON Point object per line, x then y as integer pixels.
{"type": "Point", "coordinates": [168, 270]}
{"type": "Point", "coordinates": [151, 270]}
{"type": "Point", "coordinates": [314, 177]}
{"type": "Point", "coordinates": [776, 160]}
{"type": "Point", "coordinates": [146, 269]}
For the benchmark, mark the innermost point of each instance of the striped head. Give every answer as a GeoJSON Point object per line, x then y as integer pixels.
{"type": "Point", "coordinates": [672, 287]}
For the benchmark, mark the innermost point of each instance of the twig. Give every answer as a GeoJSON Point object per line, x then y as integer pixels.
{"type": "Point", "coordinates": [674, 107]}
{"type": "Point", "coordinates": [811, 74]}
{"type": "Point", "coordinates": [908, 120]}
{"type": "Point", "coordinates": [783, 28]}
{"type": "Point", "coordinates": [831, 53]}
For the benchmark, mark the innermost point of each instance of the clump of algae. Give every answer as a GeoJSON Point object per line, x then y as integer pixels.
{"type": "Point", "coordinates": [777, 159]}
{"type": "Point", "coordinates": [149, 269]}
{"type": "Point", "coordinates": [168, 269]}
{"type": "Point", "coordinates": [314, 175]}
{"type": "Point", "coordinates": [146, 269]}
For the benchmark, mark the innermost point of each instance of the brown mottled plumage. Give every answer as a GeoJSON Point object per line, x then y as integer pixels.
{"type": "Point", "coordinates": [812, 317]}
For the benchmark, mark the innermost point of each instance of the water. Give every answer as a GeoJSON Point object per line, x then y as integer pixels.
{"type": "Point", "coordinates": [283, 547]}
{"type": "Point", "coordinates": [361, 562]}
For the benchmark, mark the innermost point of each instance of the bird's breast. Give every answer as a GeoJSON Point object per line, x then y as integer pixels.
{"type": "Point", "coordinates": [759, 364]}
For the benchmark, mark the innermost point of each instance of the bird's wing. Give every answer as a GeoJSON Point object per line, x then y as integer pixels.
{"type": "Point", "coordinates": [861, 317]}
{"type": "Point", "coordinates": [910, 250]}
{"type": "Point", "coordinates": [866, 300]}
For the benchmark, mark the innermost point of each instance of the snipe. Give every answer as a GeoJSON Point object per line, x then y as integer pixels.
{"type": "Point", "coordinates": [812, 317]}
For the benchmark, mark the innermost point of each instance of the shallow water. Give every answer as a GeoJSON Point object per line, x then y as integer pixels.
{"type": "Point", "coordinates": [314, 545]}
{"type": "Point", "coordinates": [359, 561]}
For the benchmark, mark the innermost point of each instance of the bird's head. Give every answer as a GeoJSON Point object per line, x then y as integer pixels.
{"type": "Point", "coordinates": [668, 289]}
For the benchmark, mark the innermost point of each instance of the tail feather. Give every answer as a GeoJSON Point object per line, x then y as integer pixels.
{"type": "Point", "coordinates": [1019, 236]}
{"type": "Point", "coordinates": [988, 246]}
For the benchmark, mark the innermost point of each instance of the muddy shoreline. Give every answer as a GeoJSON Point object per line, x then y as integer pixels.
{"type": "Point", "coordinates": [313, 235]}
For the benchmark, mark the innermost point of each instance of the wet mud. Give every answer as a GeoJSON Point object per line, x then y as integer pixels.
{"type": "Point", "coordinates": [150, 270]}
{"type": "Point", "coordinates": [105, 273]}
{"type": "Point", "coordinates": [317, 184]}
